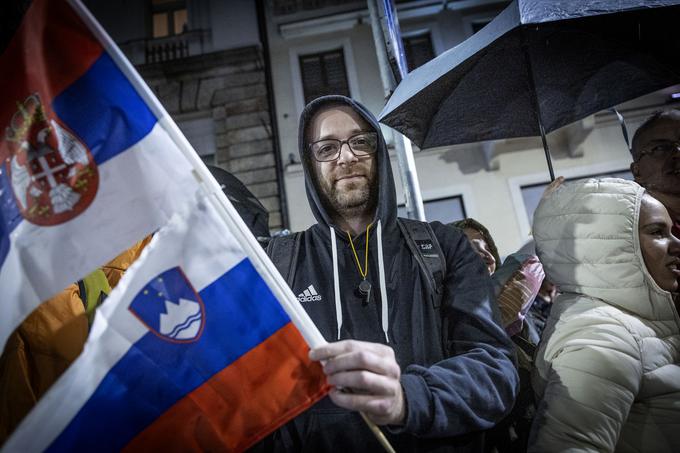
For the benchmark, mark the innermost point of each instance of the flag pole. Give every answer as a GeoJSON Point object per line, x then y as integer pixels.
{"type": "Point", "coordinates": [227, 212]}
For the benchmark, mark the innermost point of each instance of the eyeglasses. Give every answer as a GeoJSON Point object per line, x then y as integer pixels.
{"type": "Point", "coordinates": [362, 144]}
{"type": "Point", "coordinates": [669, 148]}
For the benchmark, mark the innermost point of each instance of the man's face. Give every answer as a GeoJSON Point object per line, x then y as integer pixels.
{"type": "Point", "coordinates": [658, 167]}
{"type": "Point", "coordinates": [345, 183]}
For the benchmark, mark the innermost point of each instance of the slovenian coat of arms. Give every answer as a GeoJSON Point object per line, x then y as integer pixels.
{"type": "Point", "coordinates": [170, 307]}
{"type": "Point", "coordinates": [52, 173]}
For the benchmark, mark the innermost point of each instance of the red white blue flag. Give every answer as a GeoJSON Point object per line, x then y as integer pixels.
{"type": "Point", "coordinates": [87, 165]}
{"type": "Point", "coordinates": [190, 352]}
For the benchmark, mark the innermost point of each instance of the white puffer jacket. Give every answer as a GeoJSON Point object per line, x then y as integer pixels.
{"type": "Point", "coordinates": [608, 366]}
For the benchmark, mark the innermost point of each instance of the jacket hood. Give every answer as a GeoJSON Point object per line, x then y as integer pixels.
{"type": "Point", "coordinates": [386, 206]}
{"type": "Point", "coordinates": [586, 235]}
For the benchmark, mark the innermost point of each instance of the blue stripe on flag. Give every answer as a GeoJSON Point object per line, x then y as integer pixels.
{"type": "Point", "coordinates": [104, 110]}
{"type": "Point", "coordinates": [9, 212]}
{"type": "Point", "coordinates": [240, 313]}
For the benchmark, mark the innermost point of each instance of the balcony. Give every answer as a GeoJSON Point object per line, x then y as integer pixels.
{"type": "Point", "coordinates": [168, 48]}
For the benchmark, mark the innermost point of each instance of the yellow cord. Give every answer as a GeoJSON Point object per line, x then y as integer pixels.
{"type": "Point", "coordinates": [364, 271]}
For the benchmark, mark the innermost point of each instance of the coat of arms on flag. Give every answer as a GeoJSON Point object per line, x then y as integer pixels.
{"type": "Point", "coordinates": [89, 162]}
{"type": "Point", "coordinates": [53, 175]}
{"type": "Point", "coordinates": [170, 307]}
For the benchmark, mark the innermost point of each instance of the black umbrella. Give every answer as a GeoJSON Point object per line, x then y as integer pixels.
{"type": "Point", "coordinates": [538, 66]}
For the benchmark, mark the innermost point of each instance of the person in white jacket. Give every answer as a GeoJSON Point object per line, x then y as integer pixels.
{"type": "Point", "coordinates": [607, 371]}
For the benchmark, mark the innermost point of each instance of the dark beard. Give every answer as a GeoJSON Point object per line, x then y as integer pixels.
{"type": "Point", "coordinates": [356, 202]}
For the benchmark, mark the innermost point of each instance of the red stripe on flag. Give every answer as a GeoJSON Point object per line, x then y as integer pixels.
{"type": "Point", "coordinates": [51, 49]}
{"type": "Point", "coordinates": [241, 404]}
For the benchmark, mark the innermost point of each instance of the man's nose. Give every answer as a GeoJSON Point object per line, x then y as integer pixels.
{"type": "Point", "coordinates": [674, 248]}
{"type": "Point", "coordinates": [346, 154]}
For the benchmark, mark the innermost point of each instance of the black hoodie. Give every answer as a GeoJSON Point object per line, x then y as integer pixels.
{"type": "Point", "coordinates": [452, 390]}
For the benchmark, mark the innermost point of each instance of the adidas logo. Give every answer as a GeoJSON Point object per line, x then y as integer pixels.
{"type": "Point", "coordinates": [309, 295]}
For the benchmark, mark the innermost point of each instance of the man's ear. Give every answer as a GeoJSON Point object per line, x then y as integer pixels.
{"type": "Point", "coordinates": [635, 170]}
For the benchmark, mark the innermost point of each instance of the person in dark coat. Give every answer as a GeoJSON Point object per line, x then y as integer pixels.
{"type": "Point", "coordinates": [433, 375]}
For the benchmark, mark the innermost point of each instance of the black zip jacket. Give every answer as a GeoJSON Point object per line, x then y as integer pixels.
{"type": "Point", "coordinates": [457, 365]}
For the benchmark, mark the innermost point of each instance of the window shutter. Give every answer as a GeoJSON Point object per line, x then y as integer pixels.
{"type": "Point", "coordinates": [323, 73]}
{"type": "Point", "coordinates": [418, 50]}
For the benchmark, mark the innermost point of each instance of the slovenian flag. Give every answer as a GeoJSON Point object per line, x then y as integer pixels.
{"type": "Point", "coordinates": [190, 352]}
{"type": "Point", "coordinates": [87, 162]}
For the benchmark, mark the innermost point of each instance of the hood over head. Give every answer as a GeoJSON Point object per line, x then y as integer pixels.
{"type": "Point", "coordinates": [386, 206]}
{"type": "Point", "coordinates": [587, 239]}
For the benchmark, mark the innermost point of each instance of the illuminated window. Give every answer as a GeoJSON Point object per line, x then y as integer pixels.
{"type": "Point", "coordinates": [445, 210]}
{"type": "Point", "coordinates": [169, 17]}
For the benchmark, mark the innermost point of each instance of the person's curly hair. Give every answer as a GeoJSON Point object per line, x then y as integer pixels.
{"type": "Point", "coordinates": [475, 225]}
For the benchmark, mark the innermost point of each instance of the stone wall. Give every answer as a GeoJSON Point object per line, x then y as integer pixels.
{"type": "Point", "coordinates": [229, 87]}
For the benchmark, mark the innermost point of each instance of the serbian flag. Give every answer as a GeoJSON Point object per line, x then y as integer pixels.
{"type": "Point", "coordinates": [87, 162]}
{"type": "Point", "coordinates": [190, 352]}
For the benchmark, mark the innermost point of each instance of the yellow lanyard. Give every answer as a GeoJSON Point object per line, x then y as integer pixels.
{"type": "Point", "coordinates": [364, 271]}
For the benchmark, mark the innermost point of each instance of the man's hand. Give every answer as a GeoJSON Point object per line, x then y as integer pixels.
{"type": "Point", "coordinates": [553, 186]}
{"type": "Point", "coordinates": [365, 377]}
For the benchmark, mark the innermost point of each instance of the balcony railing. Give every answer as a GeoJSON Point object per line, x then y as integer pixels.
{"type": "Point", "coordinates": [283, 7]}
{"type": "Point", "coordinates": [158, 50]}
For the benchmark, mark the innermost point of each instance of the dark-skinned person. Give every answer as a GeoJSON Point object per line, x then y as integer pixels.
{"type": "Point", "coordinates": [433, 370]}
{"type": "Point", "coordinates": [607, 371]}
{"type": "Point", "coordinates": [656, 161]}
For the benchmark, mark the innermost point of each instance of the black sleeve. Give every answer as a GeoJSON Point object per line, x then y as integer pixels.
{"type": "Point", "coordinates": [476, 386]}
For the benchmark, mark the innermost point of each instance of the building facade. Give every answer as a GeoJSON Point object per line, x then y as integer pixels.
{"type": "Point", "coordinates": [235, 75]}
{"type": "Point", "coordinates": [205, 61]}
{"type": "Point", "coordinates": [326, 46]}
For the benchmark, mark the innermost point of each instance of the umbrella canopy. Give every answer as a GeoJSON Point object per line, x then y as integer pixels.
{"type": "Point", "coordinates": [541, 64]}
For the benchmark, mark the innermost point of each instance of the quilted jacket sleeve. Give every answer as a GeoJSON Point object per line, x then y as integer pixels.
{"type": "Point", "coordinates": [591, 372]}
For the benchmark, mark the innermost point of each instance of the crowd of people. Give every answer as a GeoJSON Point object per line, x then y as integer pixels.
{"type": "Point", "coordinates": [572, 347]}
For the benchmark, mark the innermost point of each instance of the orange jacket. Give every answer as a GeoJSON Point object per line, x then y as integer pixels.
{"type": "Point", "coordinates": [46, 343]}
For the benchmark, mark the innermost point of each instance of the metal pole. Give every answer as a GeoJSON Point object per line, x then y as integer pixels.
{"type": "Point", "coordinates": [402, 145]}
{"type": "Point", "coordinates": [264, 38]}
{"type": "Point", "coordinates": [537, 105]}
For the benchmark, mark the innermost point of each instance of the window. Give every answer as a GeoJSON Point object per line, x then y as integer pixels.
{"type": "Point", "coordinates": [281, 7]}
{"type": "Point", "coordinates": [444, 210]}
{"type": "Point", "coordinates": [418, 49]}
{"type": "Point", "coordinates": [478, 25]}
{"type": "Point", "coordinates": [169, 17]}
{"type": "Point", "coordinates": [323, 73]}
{"type": "Point", "coordinates": [532, 193]}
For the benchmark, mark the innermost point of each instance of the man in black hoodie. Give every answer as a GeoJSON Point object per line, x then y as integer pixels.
{"type": "Point", "coordinates": [434, 372]}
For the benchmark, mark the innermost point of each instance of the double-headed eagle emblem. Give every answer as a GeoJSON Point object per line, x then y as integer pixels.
{"type": "Point", "coordinates": [52, 173]}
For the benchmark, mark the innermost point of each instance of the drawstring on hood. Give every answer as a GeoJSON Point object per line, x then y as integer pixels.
{"type": "Point", "coordinates": [386, 205]}
{"type": "Point", "coordinates": [384, 318]}
{"type": "Point", "coordinates": [383, 287]}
